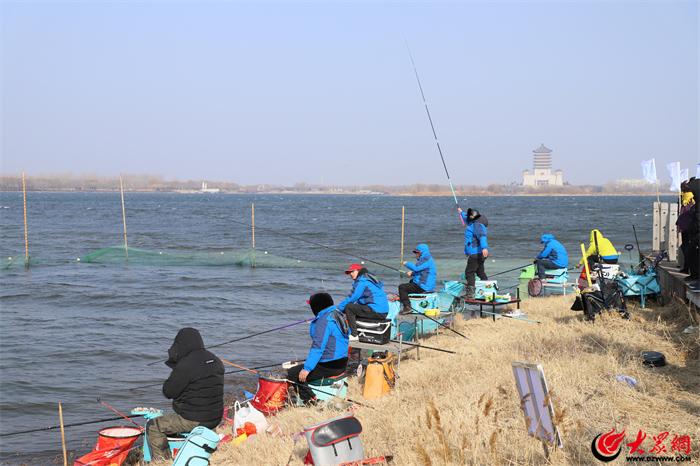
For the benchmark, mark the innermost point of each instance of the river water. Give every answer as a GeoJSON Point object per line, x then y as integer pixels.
{"type": "Point", "coordinates": [73, 331]}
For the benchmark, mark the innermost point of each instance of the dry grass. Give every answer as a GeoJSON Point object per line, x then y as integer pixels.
{"type": "Point", "coordinates": [463, 409]}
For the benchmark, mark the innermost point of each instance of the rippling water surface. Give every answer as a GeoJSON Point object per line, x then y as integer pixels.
{"type": "Point", "coordinates": [73, 331]}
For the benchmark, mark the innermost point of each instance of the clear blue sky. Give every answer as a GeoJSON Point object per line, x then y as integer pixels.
{"type": "Point", "coordinates": [290, 92]}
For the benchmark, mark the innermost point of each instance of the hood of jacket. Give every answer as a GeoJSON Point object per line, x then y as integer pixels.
{"type": "Point", "coordinates": [593, 235]}
{"type": "Point", "coordinates": [546, 238]}
{"type": "Point", "coordinates": [424, 251]}
{"type": "Point", "coordinates": [187, 340]}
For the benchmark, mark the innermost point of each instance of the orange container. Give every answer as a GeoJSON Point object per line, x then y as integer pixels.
{"type": "Point", "coordinates": [112, 447]}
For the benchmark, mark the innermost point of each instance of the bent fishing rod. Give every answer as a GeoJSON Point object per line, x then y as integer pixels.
{"type": "Point", "coordinates": [432, 126]}
{"type": "Point", "coordinates": [244, 338]}
{"type": "Point", "coordinates": [415, 345]}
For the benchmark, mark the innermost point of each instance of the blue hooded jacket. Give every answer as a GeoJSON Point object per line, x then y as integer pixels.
{"type": "Point", "coordinates": [329, 336]}
{"type": "Point", "coordinates": [475, 233]}
{"type": "Point", "coordinates": [424, 271]}
{"type": "Point", "coordinates": [367, 290]}
{"type": "Point", "coordinates": [554, 251]}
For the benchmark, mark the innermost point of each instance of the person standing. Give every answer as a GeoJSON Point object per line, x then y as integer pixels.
{"type": "Point", "coordinates": [476, 248]}
{"type": "Point", "coordinates": [196, 386]}
{"type": "Point", "coordinates": [423, 275]}
{"type": "Point", "coordinates": [552, 256]}
{"type": "Point", "coordinates": [367, 298]}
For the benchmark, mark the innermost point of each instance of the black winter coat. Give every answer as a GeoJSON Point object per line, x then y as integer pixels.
{"type": "Point", "coordinates": [196, 384]}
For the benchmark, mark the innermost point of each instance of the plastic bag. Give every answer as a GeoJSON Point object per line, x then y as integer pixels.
{"type": "Point", "coordinates": [248, 413]}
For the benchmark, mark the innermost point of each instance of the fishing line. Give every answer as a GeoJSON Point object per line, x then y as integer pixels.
{"type": "Point", "coordinates": [111, 408]}
{"type": "Point", "coordinates": [297, 384]}
{"type": "Point", "coordinates": [225, 373]}
{"type": "Point", "coordinates": [432, 126]}
{"type": "Point", "coordinates": [304, 240]}
{"type": "Point", "coordinates": [244, 338]}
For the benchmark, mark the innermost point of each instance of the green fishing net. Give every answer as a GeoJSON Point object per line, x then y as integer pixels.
{"type": "Point", "coordinates": [241, 258]}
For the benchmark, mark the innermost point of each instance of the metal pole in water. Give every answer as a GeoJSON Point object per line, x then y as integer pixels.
{"type": "Point", "coordinates": [63, 434]}
{"type": "Point", "coordinates": [126, 243]}
{"type": "Point", "coordinates": [252, 227]}
{"type": "Point", "coordinates": [403, 216]}
{"type": "Point", "coordinates": [26, 240]}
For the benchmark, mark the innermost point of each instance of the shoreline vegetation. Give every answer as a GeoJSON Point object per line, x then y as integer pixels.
{"type": "Point", "coordinates": [156, 184]}
{"type": "Point", "coordinates": [464, 408]}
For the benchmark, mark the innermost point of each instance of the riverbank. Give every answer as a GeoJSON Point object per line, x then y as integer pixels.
{"type": "Point", "coordinates": [463, 409]}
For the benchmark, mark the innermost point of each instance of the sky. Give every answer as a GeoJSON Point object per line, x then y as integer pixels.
{"type": "Point", "coordinates": [324, 93]}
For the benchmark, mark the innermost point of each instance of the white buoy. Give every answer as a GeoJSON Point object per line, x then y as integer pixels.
{"type": "Point", "coordinates": [9, 258]}
{"type": "Point", "coordinates": [78, 259]}
{"type": "Point", "coordinates": [265, 252]}
{"type": "Point", "coordinates": [222, 253]}
{"type": "Point", "coordinates": [362, 262]}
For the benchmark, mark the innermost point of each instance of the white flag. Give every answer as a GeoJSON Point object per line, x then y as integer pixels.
{"type": "Point", "coordinates": [674, 171]}
{"type": "Point", "coordinates": [649, 170]}
{"type": "Point", "coordinates": [684, 175]}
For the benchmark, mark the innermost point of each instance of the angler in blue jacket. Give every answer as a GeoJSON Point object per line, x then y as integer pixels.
{"type": "Point", "coordinates": [423, 275]}
{"type": "Point", "coordinates": [328, 355]}
{"type": "Point", "coordinates": [552, 256]}
{"type": "Point", "coordinates": [476, 248]}
{"type": "Point", "coordinates": [367, 298]}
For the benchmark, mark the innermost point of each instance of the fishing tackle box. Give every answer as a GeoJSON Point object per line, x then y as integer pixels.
{"type": "Point", "coordinates": [335, 441]}
{"type": "Point", "coordinates": [377, 332]}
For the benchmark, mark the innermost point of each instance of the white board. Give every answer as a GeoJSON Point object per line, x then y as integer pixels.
{"type": "Point", "coordinates": [536, 403]}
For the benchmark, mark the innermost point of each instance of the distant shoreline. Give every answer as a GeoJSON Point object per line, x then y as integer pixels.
{"type": "Point", "coordinates": [348, 193]}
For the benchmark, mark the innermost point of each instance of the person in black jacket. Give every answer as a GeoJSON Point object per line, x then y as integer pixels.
{"type": "Point", "coordinates": [196, 386]}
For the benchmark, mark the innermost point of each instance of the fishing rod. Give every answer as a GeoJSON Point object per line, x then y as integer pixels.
{"type": "Point", "coordinates": [432, 126]}
{"type": "Point", "coordinates": [297, 384]}
{"type": "Point", "coordinates": [304, 240]}
{"type": "Point", "coordinates": [114, 410]}
{"type": "Point", "coordinates": [75, 424]}
{"type": "Point", "coordinates": [415, 345]}
{"type": "Point", "coordinates": [641, 256]}
{"type": "Point", "coordinates": [524, 319]}
{"type": "Point", "coordinates": [244, 338]}
{"type": "Point", "coordinates": [440, 324]}
{"type": "Point", "coordinates": [510, 270]}
{"type": "Point", "coordinates": [225, 373]}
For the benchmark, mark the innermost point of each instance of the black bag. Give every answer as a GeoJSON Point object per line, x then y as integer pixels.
{"type": "Point", "coordinates": [611, 298]}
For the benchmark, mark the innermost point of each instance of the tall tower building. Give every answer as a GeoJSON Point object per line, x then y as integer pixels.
{"type": "Point", "coordinates": [542, 170]}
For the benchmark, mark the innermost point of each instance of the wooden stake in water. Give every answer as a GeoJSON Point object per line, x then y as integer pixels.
{"type": "Point", "coordinates": [252, 221]}
{"type": "Point", "coordinates": [63, 434]}
{"type": "Point", "coordinates": [26, 240]}
{"type": "Point", "coordinates": [126, 243]}
{"type": "Point", "coordinates": [252, 229]}
{"type": "Point", "coordinates": [403, 217]}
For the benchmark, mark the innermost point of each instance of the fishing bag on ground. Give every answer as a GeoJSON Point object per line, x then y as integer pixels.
{"type": "Point", "coordinates": [271, 395]}
{"type": "Point", "coordinates": [380, 376]}
{"type": "Point", "coordinates": [377, 332]}
{"type": "Point", "coordinates": [197, 448]}
{"type": "Point", "coordinates": [335, 441]}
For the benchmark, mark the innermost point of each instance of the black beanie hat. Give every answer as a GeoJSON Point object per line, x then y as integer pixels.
{"type": "Point", "coordinates": [319, 302]}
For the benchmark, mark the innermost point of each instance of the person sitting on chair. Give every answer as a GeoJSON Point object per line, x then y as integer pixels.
{"type": "Point", "coordinates": [196, 386]}
{"type": "Point", "coordinates": [423, 274]}
{"type": "Point", "coordinates": [602, 252]}
{"type": "Point", "coordinates": [328, 355]}
{"type": "Point", "coordinates": [367, 298]}
{"type": "Point", "coordinates": [552, 256]}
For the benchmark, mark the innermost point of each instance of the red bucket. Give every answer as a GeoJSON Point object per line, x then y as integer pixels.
{"type": "Point", "coordinates": [112, 447]}
{"type": "Point", "coordinates": [271, 395]}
